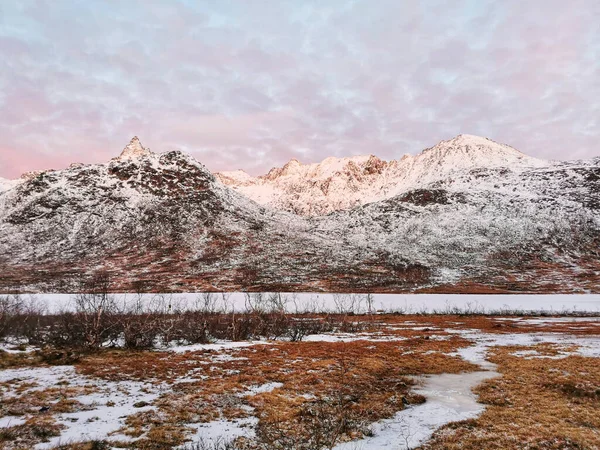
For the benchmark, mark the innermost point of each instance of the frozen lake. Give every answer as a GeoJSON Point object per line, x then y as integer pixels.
{"type": "Point", "coordinates": [319, 302]}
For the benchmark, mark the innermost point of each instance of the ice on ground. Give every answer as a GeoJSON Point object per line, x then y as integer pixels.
{"type": "Point", "coordinates": [449, 398]}
{"type": "Point", "coordinates": [263, 388]}
{"type": "Point", "coordinates": [585, 346]}
{"type": "Point", "coordinates": [550, 320]}
{"type": "Point", "coordinates": [216, 346]}
{"type": "Point", "coordinates": [406, 303]}
{"type": "Point", "coordinates": [350, 337]}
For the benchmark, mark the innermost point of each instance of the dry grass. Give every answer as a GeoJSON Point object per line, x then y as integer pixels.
{"type": "Point", "coordinates": [21, 397]}
{"type": "Point", "coordinates": [14, 360]}
{"type": "Point", "coordinates": [329, 392]}
{"type": "Point", "coordinates": [90, 445]}
{"type": "Point", "coordinates": [538, 403]}
{"type": "Point", "coordinates": [25, 436]}
{"type": "Point", "coordinates": [352, 384]}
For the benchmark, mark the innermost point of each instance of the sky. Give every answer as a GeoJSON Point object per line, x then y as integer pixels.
{"type": "Point", "coordinates": [250, 84]}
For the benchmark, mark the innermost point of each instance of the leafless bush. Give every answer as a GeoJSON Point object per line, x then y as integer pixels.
{"type": "Point", "coordinates": [255, 302]}
{"type": "Point", "coordinates": [348, 303]}
{"type": "Point", "coordinates": [219, 443]}
{"type": "Point", "coordinates": [370, 299]}
{"type": "Point", "coordinates": [277, 302]}
{"type": "Point", "coordinates": [94, 308]}
{"type": "Point", "coordinates": [10, 309]}
{"type": "Point", "coordinates": [207, 302]}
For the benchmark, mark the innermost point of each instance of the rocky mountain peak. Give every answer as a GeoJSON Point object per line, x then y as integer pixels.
{"type": "Point", "coordinates": [340, 183]}
{"type": "Point", "coordinates": [134, 150]}
{"type": "Point", "coordinates": [290, 167]}
{"type": "Point", "coordinates": [466, 150]}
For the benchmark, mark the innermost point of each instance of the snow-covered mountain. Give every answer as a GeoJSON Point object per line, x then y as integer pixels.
{"type": "Point", "coordinates": [467, 215]}
{"type": "Point", "coordinates": [341, 183]}
{"type": "Point", "coordinates": [5, 184]}
{"type": "Point", "coordinates": [142, 215]}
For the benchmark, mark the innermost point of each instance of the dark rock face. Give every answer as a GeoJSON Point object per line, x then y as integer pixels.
{"type": "Point", "coordinates": [425, 197]}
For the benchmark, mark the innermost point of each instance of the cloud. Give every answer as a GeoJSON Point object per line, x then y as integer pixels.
{"type": "Point", "coordinates": [253, 84]}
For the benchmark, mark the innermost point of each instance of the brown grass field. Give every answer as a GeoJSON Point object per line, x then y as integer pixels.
{"type": "Point", "coordinates": [321, 391]}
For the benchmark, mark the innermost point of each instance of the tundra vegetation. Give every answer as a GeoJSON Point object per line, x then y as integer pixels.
{"type": "Point", "coordinates": [281, 380]}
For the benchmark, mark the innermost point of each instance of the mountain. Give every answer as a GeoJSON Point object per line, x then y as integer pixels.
{"type": "Point", "coordinates": [133, 150]}
{"type": "Point", "coordinates": [153, 221]}
{"type": "Point", "coordinates": [341, 183]}
{"type": "Point", "coordinates": [5, 184]}
{"type": "Point", "coordinates": [489, 229]}
{"type": "Point", "coordinates": [467, 215]}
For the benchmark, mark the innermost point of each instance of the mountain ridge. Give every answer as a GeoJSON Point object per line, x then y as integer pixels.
{"type": "Point", "coordinates": [164, 223]}
{"type": "Point", "coordinates": [341, 183]}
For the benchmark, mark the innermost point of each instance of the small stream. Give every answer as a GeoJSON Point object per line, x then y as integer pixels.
{"type": "Point", "coordinates": [449, 399]}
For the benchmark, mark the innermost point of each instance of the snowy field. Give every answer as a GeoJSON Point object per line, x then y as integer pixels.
{"type": "Point", "coordinates": [318, 302]}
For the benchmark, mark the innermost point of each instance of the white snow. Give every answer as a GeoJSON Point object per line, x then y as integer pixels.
{"type": "Point", "coordinates": [222, 431]}
{"type": "Point", "coordinates": [263, 388]}
{"type": "Point", "coordinates": [11, 421]}
{"type": "Point", "coordinates": [341, 183]}
{"type": "Point", "coordinates": [109, 404]}
{"type": "Point", "coordinates": [216, 346]}
{"type": "Point", "coordinates": [550, 320]}
{"type": "Point", "coordinates": [349, 337]}
{"type": "Point", "coordinates": [6, 185]}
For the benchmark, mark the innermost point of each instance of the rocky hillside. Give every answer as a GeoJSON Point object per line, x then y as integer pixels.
{"type": "Point", "coordinates": [155, 222]}
{"type": "Point", "coordinates": [468, 215]}
{"type": "Point", "coordinates": [489, 229]}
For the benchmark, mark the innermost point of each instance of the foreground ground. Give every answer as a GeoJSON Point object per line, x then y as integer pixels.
{"type": "Point", "coordinates": [385, 381]}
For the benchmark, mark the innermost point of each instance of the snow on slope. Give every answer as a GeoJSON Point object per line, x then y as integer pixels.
{"type": "Point", "coordinates": [86, 206]}
{"type": "Point", "coordinates": [6, 185]}
{"type": "Point", "coordinates": [342, 183]}
{"type": "Point", "coordinates": [466, 211]}
{"type": "Point", "coordinates": [144, 215]}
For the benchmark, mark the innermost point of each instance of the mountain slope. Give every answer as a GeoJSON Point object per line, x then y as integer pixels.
{"type": "Point", "coordinates": [156, 220]}
{"type": "Point", "coordinates": [536, 230]}
{"type": "Point", "coordinates": [143, 210]}
{"type": "Point", "coordinates": [5, 184]}
{"type": "Point", "coordinates": [463, 216]}
{"type": "Point", "coordinates": [341, 183]}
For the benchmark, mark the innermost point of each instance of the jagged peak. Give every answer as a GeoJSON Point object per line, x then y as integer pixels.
{"type": "Point", "coordinates": [290, 167]}
{"type": "Point", "coordinates": [471, 141]}
{"type": "Point", "coordinates": [32, 174]}
{"type": "Point", "coordinates": [134, 150]}
{"type": "Point", "coordinates": [468, 149]}
{"type": "Point", "coordinates": [237, 176]}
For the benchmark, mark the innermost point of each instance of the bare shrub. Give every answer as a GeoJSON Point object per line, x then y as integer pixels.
{"type": "Point", "coordinates": [93, 307]}
{"type": "Point", "coordinates": [10, 309]}
{"type": "Point", "coordinates": [219, 443]}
